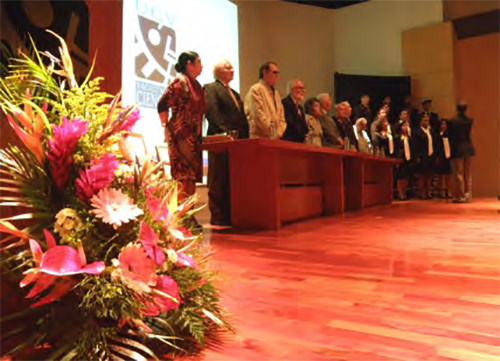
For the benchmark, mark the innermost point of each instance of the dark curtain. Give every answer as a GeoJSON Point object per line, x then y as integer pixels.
{"type": "Point", "coordinates": [351, 87]}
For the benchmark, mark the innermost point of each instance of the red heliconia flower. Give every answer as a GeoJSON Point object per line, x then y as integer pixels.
{"type": "Point", "coordinates": [149, 241]}
{"type": "Point", "coordinates": [98, 176]}
{"type": "Point", "coordinates": [56, 262]}
{"type": "Point", "coordinates": [166, 297]}
{"type": "Point", "coordinates": [62, 146]}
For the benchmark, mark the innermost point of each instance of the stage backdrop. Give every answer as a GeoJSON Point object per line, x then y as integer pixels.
{"type": "Point", "coordinates": [155, 33]}
{"type": "Point", "coordinates": [351, 87]}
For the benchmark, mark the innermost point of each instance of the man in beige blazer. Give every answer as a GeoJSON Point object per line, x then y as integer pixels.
{"type": "Point", "coordinates": [263, 107]}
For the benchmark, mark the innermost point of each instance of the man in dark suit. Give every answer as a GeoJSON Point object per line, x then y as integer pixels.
{"type": "Point", "coordinates": [362, 110]}
{"type": "Point", "coordinates": [462, 150]}
{"type": "Point", "coordinates": [224, 113]}
{"type": "Point", "coordinates": [434, 118]}
{"type": "Point", "coordinates": [296, 126]}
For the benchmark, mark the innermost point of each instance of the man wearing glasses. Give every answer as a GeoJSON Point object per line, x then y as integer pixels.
{"type": "Point", "coordinates": [296, 126]}
{"type": "Point", "coordinates": [263, 108]}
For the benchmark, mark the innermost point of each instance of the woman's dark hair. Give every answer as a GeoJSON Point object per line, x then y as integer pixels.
{"type": "Point", "coordinates": [184, 58]}
{"type": "Point", "coordinates": [308, 105]}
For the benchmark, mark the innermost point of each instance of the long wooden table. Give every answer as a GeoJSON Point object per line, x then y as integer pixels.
{"type": "Point", "coordinates": [274, 181]}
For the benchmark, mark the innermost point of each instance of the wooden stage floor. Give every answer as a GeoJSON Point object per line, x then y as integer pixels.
{"type": "Point", "coordinates": [412, 281]}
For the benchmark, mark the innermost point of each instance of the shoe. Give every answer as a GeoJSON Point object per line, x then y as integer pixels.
{"type": "Point", "coordinates": [220, 222]}
{"type": "Point", "coordinates": [459, 200]}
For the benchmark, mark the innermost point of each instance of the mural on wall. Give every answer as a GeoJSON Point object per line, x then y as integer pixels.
{"type": "Point", "coordinates": [69, 19]}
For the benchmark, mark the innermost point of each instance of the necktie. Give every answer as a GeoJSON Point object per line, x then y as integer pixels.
{"type": "Point", "coordinates": [233, 97]}
{"type": "Point", "coordinates": [274, 98]}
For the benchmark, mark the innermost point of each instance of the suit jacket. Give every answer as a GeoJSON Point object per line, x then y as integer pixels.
{"type": "Point", "coordinates": [459, 130]}
{"type": "Point", "coordinates": [433, 119]}
{"type": "Point", "coordinates": [344, 125]}
{"type": "Point", "coordinates": [296, 126]}
{"type": "Point", "coordinates": [421, 143]}
{"type": "Point", "coordinates": [221, 111]}
{"type": "Point", "coordinates": [262, 106]}
{"type": "Point", "coordinates": [330, 130]}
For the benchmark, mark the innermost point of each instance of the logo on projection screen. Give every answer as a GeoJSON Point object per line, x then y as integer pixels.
{"type": "Point", "coordinates": [154, 62]}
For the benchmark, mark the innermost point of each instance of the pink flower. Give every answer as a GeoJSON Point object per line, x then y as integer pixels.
{"type": "Point", "coordinates": [62, 146]}
{"type": "Point", "coordinates": [129, 122]}
{"type": "Point", "coordinates": [56, 262]}
{"type": "Point", "coordinates": [136, 269]}
{"type": "Point", "coordinates": [114, 207]}
{"type": "Point", "coordinates": [158, 210]}
{"type": "Point", "coordinates": [184, 260]}
{"type": "Point", "coordinates": [98, 176]}
{"type": "Point", "coordinates": [166, 297]}
{"type": "Point", "coordinates": [149, 241]}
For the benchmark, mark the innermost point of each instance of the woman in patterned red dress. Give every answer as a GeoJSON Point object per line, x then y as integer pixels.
{"type": "Point", "coordinates": [186, 100]}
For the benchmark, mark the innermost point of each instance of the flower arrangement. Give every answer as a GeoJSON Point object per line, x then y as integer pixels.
{"type": "Point", "coordinates": [105, 263]}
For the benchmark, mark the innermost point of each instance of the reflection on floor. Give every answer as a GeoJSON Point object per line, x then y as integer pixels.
{"type": "Point", "coordinates": [418, 280]}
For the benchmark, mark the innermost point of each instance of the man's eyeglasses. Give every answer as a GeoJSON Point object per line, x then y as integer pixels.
{"type": "Point", "coordinates": [275, 72]}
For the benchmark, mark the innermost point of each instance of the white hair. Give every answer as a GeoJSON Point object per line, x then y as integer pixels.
{"type": "Point", "coordinates": [322, 96]}
{"type": "Point", "coordinates": [218, 67]}
{"type": "Point", "coordinates": [290, 84]}
{"type": "Point", "coordinates": [361, 120]}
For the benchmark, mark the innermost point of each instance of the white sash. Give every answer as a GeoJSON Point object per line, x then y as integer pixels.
{"type": "Point", "coordinates": [406, 147]}
{"type": "Point", "coordinates": [446, 147]}
{"type": "Point", "coordinates": [391, 144]}
{"type": "Point", "coordinates": [430, 149]}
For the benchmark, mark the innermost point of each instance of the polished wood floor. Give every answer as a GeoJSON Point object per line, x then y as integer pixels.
{"type": "Point", "coordinates": [418, 280]}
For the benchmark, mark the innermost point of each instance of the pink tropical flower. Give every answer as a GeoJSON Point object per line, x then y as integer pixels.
{"type": "Point", "coordinates": [129, 122]}
{"type": "Point", "coordinates": [158, 210]}
{"type": "Point", "coordinates": [56, 262]}
{"type": "Point", "coordinates": [98, 176]}
{"type": "Point", "coordinates": [149, 241]}
{"type": "Point", "coordinates": [124, 122]}
{"type": "Point", "coordinates": [114, 207]}
{"type": "Point", "coordinates": [184, 260]}
{"type": "Point", "coordinates": [166, 297]}
{"type": "Point", "coordinates": [62, 146]}
{"type": "Point", "coordinates": [136, 269]}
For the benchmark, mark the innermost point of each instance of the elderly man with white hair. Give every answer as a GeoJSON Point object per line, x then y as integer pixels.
{"type": "Point", "coordinates": [363, 143]}
{"type": "Point", "coordinates": [331, 134]}
{"type": "Point", "coordinates": [296, 126]}
{"type": "Point", "coordinates": [224, 113]}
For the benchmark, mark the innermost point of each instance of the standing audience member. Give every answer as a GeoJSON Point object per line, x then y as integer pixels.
{"type": "Point", "coordinates": [462, 150]}
{"type": "Point", "coordinates": [433, 117]}
{"type": "Point", "coordinates": [404, 150]}
{"type": "Point", "coordinates": [443, 154]}
{"type": "Point", "coordinates": [363, 143]}
{"type": "Point", "coordinates": [313, 111]}
{"type": "Point", "coordinates": [382, 139]}
{"type": "Point", "coordinates": [413, 116]}
{"type": "Point", "coordinates": [224, 113]}
{"type": "Point", "coordinates": [403, 118]}
{"type": "Point", "coordinates": [186, 99]}
{"type": "Point", "coordinates": [344, 125]}
{"type": "Point", "coordinates": [263, 106]}
{"type": "Point", "coordinates": [296, 127]}
{"type": "Point", "coordinates": [424, 144]}
{"type": "Point", "coordinates": [381, 115]}
{"type": "Point", "coordinates": [331, 134]}
{"type": "Point", "coordinates": [362, 110]}
{"type": "Point", "coordinates": [388, 105]}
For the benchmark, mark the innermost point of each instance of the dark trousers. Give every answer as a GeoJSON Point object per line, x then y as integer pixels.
{"type": "Point", "coordinates": [219, 200]}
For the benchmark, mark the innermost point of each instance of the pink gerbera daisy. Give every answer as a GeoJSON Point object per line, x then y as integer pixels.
{"type": "Point", "coordinates": [114, 207]}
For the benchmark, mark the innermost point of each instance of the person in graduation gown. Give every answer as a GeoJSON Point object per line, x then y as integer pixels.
{"type": "Point", "coordinates": [403, 118]}
{"type": "Point", "coordinates": [443, 164]}
{"type": "Point", "coordinates": [186, 100]}
{"type": "Point", "coordinates": [433, 117]}
{"type": "Point", "coordinates": [383, 140]}
{"type": "Point", "coordinates": [224, 114]}
{"type": "Point", "coordinates": [296, 127]}
{"type": "Point", "coordinates": [425, 154]}
{"type": "Point", "coordinates": [405, 151]}
{"type": "Point", "coordinates": [413, 115]}
{"type": "Point", "coordinates": [363, 110]}
{"type": "Point", "coordinates": [315, 132]}
{"type": "Point", "coordinates": [363, 143]}
{"type": "Point", "coordinates": [331, 134]}
{"type": "Point", "coordinates": [462, 152]}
